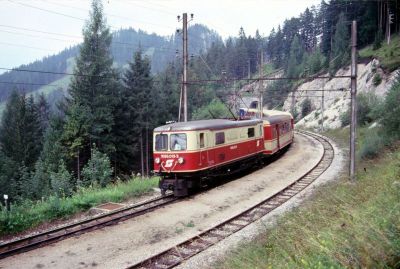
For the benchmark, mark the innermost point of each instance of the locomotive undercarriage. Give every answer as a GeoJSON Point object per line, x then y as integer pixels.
{"type": "Point", "coordinates": [183, 183]}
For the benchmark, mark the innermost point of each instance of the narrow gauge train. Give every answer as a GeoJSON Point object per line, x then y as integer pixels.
{"type": "Point", "coordinates": [190, 154]}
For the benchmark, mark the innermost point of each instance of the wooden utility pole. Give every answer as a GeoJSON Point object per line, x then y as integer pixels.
{"type": "Point", "coordinates": [260, 87]}
{"type": "Point", "coordinates": [183, 107]}
{"type": "Point", "coordinates": [147, 148]}
{"type": "Point", "coordinates": [185, 65]}
{"type": "Point", "coordinates": [248, 69]}
{"type": "Point", "coordinates": [353, 99]}
{"type": "Point", "coordinates": [322, 110]}
{"type": "Point", "coordinates": [141, 153]}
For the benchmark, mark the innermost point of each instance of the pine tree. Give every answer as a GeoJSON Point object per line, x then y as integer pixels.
{"type": "Point", "coordinates": [33, 132]}
{"type": "Point", "coordinates": [340, 50]}
{"type": "Point", "coordinates": [92, 91]}
{"type": "Point", "coordinates": [133, 115]}
{"type": "Point", "coordinates": [12, 138]}
{"type": "Point", "coordinates": [43, 112]}
{"type": "Point", "coordinates": [295, 58]}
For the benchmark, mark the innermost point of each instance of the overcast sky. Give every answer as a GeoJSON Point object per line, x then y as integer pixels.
{"type": "Point", "coordinates": [63, 20]}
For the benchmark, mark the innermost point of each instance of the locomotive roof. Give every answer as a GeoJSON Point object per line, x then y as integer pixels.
{"type": "Point", "coordinates": [215, 124]}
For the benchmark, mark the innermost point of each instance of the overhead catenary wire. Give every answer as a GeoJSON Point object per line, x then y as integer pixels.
{"type": "Point", "coordinates": [62, 73]}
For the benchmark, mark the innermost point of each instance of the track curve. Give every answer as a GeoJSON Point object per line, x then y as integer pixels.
{"type": "Point", "coordinates": [183, 251]}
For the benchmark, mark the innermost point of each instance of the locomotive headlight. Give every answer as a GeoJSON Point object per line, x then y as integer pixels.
{"type": "Point", "coordinates": [180, 160]}
{"type": "Point", "coordinates": [157, 160]}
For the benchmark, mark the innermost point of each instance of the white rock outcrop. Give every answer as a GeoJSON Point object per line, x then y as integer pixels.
{"type": "Point", "coordinates": [336, 102]}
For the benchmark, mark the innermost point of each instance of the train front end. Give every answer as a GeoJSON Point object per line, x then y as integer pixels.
{"type": "Point", "coordinates": [175, 159]}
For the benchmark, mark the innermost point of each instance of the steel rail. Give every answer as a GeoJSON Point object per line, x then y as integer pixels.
{"type": "Point", "coordinates": [187, 249]}
{"type": "Point", "coordinates": [37, 240]}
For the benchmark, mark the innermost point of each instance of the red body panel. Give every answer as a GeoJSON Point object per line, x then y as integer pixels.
{"type": "Point", "coordinates": [207, 158]}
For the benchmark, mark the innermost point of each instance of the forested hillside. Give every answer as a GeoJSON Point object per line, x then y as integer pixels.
{"type": "Point", "coordinates": [160, 50]}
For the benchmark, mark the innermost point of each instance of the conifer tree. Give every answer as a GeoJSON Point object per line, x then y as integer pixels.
{"type": "Point", "coordinates": [340, 51]}
{"type": "Point", "coordinates": [133, 115]}
{"type": "Point", "coordinates": [92, 91]}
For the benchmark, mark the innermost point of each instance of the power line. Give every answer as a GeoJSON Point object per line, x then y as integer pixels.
{"type": "Point", "coordinates": [58, 73]}
{"type": "Point", "coordinates": [47, 10]}
{"type": "Point", "coordinates": [24, 46]}
{"type": "Point", "coordinates": [264, 78]}
{"type": "Point", "coordinates": [110, 15]}
{"type": "Point", "coordinates": [27, 83]}
{"type": "Point", "coordinates": [38, 31]}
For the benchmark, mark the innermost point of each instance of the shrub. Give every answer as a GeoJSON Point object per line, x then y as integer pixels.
{"type": "Point", "coordinates": [345, 118]}
{"type": "Point", "coordinates": [371, 145]}
{"type": "Point", "coordinates": [369, 108]}
{"type": "Point", "coordinates": [377, 79]}
{"type": "Point", "coordinates": [306, 107]}
{"type": "Point", "coordinates": [62, 181]}
{"type": "Point", "coordinates": [97, 171]}
{"type": "Point", "coordinates": [391, 111]}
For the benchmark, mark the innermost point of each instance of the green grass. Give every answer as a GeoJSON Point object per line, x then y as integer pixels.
{"type": "Point", "coordinates": [388, 55]}
{"type": "Point", "coordinates": [31, 214]}
{"type": "Point", "coordinates": [342, 225]}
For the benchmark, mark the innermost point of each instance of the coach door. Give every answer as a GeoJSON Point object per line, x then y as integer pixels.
{"type": "Point", "coordinates": [277, 136]}
{"type": "Point", "coordinates": [202, 150]}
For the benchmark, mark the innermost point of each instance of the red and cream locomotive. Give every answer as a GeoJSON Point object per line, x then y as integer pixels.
{"type": "Point", "coordinates": [188, 154]}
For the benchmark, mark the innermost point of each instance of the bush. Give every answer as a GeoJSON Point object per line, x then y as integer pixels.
{"type": "Point", "coordinates": [97, 171]}
{"type": "Point", "coordinates": [391, 111]}
{"type": "Point", "coordinates": [306, 107]}
{"type": "Point", "coordinates": [62, 181]}
{"type": "Point", "coordinates": [369, 108]}
{"type": "Point", "coordinates": [345, 118]}
{"type": "Point", "coordinates": [377, 79]}
{"type": "Point", "coordinates": [371, 145]}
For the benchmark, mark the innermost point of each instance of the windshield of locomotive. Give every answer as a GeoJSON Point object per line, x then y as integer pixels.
{"type": "Point", "coordinates": [178, 141]}
{"type": "Point", "coordinates": [161, 142]}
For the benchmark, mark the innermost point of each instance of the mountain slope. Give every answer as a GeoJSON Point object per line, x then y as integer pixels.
{"type": "Point", "coordinates": [161, 51]}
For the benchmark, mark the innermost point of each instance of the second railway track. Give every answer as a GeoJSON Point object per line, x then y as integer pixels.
{"type": "Point", "coordinates": [193, 246]}
{"type": "Point", "coordinates": [51, 236]}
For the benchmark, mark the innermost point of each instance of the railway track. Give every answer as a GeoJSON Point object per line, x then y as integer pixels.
{"type": "Point", "coordinates": [193, 246]}
{"type": "Point", "coordinates": [90, 224]}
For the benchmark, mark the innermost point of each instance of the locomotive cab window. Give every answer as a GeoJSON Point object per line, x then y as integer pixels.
{"type": "Point", "coordinates": [250, 132]}
{"type": "Point", "coordinates": [219, 138]}
{"type": "Point", "coordinates": [178, 141]}
{"type": "Point", "coordinates": [161, 142]}
{"type": "Point", "coordinates": [202, 140]}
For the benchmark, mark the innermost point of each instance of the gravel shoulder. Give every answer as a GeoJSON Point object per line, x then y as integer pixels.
{"type": "Point", "coordinates": [133, 240]}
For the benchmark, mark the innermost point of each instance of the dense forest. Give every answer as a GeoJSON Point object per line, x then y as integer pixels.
{"type": "Point", "coordinates": [102, 129]}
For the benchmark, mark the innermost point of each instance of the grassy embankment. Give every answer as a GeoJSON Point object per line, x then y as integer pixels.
{"type": "Point", "coordinates": [32, 214]}
{"type": "Point", "coordinates": [388, 55]}
{"type": "Point", "coordinates": [342, 225]}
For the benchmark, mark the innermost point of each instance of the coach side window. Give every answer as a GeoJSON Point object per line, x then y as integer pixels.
{"type": "Point", "coordinates": [250, 132]}
{"type": "Point", "coordinates": [219, 138]}
{"type": "Point", "coordinates": [201, 140]}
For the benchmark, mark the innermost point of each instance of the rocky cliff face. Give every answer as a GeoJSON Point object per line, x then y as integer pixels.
{"type": "Point", "coordinates": [337, 94]}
